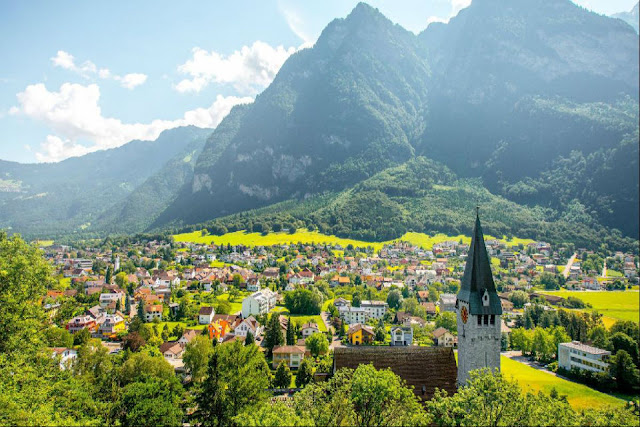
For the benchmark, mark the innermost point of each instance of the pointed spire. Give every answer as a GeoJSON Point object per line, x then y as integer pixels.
{"type": "Point", "coordinates": [478, 277]}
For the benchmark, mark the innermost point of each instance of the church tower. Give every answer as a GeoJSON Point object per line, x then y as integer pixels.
{"type": "Point", "coordinates": [479, 312]}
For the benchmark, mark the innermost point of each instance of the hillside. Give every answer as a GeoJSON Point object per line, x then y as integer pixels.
{"type": "Point", "coordinates": [68, 197]}
{"type": "Point", "coordinates": [630, 17]}
{"type": "Point", "coordinates": [417, 196]}
{"type": "Point", "coordinates": [496, 96]}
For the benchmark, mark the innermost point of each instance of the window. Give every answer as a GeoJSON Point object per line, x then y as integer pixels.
{"type": "Point", "coordinates": [492, 319]}
{"type": "Point", "coordinates": [486, 319]}
{"type": "Point", "coordinates": [479, 320]}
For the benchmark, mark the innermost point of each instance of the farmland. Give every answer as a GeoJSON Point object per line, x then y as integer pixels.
{"type": "Point", "coordinates": [622, 305]}
{"type": "Point", "coordinates": [304, 236]}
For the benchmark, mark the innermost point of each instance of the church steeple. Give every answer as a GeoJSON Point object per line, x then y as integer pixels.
{"type": "Point", "coordinates": [477, 287]}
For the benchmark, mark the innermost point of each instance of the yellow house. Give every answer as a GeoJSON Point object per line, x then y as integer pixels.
{"type": "Point", "coordinates": [359, 334]}
{"type": "Point", "coordinates": [110, 325]}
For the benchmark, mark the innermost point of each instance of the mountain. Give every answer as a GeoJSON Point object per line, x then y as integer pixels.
{"type": "Point", "coordinates": [533, 103]}
{"type": "Point", "coordinates": [53, 199]}
{"type": "Point", "coordinates": [630, 17]}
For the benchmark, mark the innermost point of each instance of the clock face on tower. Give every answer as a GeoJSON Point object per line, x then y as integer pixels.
{"type": "Point", "coordinates": [464, 314]}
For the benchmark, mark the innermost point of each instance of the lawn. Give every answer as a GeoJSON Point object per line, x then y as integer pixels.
{"type": "Point", "coordinates": [531, 379]}
{"type": "Point", "coordinates": [623, 305]}
{"type": "Point", "coordinates": [236, 305]}
{"type": "Point", "coordinates": [304, 236]}
{"type": "Point", "coordinates": [300, 319]}
{"type": "Point", "coordinates": [325, 305]}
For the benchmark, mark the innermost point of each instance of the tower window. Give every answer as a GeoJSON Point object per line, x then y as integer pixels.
{"type": "Point", "coordinates": [479, 320]}
{"type": "Point", "coordinates": [492, 320]}
{"type": "Point", "coordinates": [486, 319]}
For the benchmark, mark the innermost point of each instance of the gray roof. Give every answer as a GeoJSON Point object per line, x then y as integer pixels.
{"type": "Point", "coordinates": [577, 345]}
{"type": "Point", "coordinates": [478, 277]}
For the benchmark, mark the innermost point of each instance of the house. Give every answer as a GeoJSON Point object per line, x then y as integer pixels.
{"type": "Point", "coordinates": [581, 356]}
{"type": "Point", "coordinates": [250, 324]}
{"type": "Point", "coordinates": [339, 281]}
{"type": "Point", "coordinates": [309, 329]}
{"type": "Point", "coordinates": [359, 334]}
{"type": "Point", "coordinates": [401, 335]}
{"type": "Point", "coordinates": [187, 336]}
{"type": "Point", "coordinates": [109, 325]}
{"type": "Point", "coordinates": [153, 311]}
{"type": "Point", "coordinates": [218, 329]}
{"type": "Point", "coordinates": [112, 297]}
{"type": "Point", "coordinates": [67, 356]}
{"type": "Point", "coordinates": [423, 368]}
{"type": "Point", "coordinates": [443, 338]}
{"type": "Point", "coordinates": [430, 308]}
{"type": "Point", "coordinates": [401, 317]}
{"type": "Point", "coordinates": [253, 284]}
{"type": "Point", "coordinates": [271, 272]}
{"type": "Point", "coordinates": [172, 350]}
{"type": "Point", "coordinates": [205, 315]}
{"type": "Point", "coordinates": [447, 302]}
{"type": "Point", "coordinates": [423, 296]}
{"type": "Point", "coordinates": [374, 309]}
{"type": "Point", "coordinates": [341, 302]}
{"type": "Point", "coordinates": [79, 323]}
{"type": "Point", "coordinates": [292, 355]}
{"type": "Point", "coordinates": [260, 302]}
{"type": "Point", "coordinates": [352, 315]}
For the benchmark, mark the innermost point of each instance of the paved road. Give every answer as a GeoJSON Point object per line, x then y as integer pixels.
{"type": "Point", "coordinates": [327, 322]}
{"type": "Point", "coordinates": [567, 268]}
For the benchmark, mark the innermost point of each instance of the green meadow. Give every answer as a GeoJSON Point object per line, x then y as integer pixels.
{"type": "Point", "coordinates": [621, 305]}
{"type": "Point", "coordinates": [305, 236]}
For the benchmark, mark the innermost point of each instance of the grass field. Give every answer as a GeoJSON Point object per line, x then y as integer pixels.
{"type": "Point", "coordinates": [623, 305]}
{"type": "Point", "coordinates": [304, 236]}
{"type": "Point", "coordinates": [531, 379]}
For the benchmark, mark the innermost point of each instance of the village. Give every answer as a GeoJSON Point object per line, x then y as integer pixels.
{"type": "Point", "coordinates": [300, 302]}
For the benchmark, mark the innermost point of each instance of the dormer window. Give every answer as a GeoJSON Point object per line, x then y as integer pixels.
{"type": "Point", "coordinates": [485, 298]}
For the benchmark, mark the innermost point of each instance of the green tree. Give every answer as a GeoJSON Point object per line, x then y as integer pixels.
{"type": "Point", "coordinates": [133, 341]}
{"type": "Point", "coordinates": [381, 398]}
{"type": "Point", "coordinates": [317, 344]}
{"type": "Point", "coordinates": [81, 337]}
{"type": "Point", "coordinates": [448, 321]}
{"type": "Point", "coordinates": [108, 275]}
{"type": "Point", "coordinates": [519, 298]}
{"type": "Point", "coordinates": [24, 277]}
{"type": "Point", "coordinates": [291, 336]}
{"type": "Point", "coordinates": [272, 415]}
{"type": "Point", "coordinates": [249, 339]}
{"type": "Point", "coordinates": [273, 333]}
{"type": "Point", "coordinates": [624, 371]}
{"type": "Point", "coordinates": [237, 378]}
{"type": "Point", "coordinates": [121, 280]}
{"type": "Point", "coordinates": [196, 356]}
{"type": "Point", "coordinates": [380, 334]}
{"type": "Point", "coordinates": [140, 311]}
{"type": "Point", "coordinates": [282, 378]}
{"type": "Point", "coordinates": [394, 299]}
{"type": "Point", "coordinates": [152, 402]}
{"type": "Point", "coordinates": [621, 341]}
{"type": "Point", "coordinates": [304, 374]}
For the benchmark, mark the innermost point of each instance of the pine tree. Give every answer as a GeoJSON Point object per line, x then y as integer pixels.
{"type": "Point", "coordinates": [249, 339]}
{"type": "Point", "coordinates": [305, 373]}
{"type": "Point", "coordinates": [141, 311]}
{"type": "Point", "coordinates": [107, 277]}
{"type": "Point", "coordinates": [291, 338]}
{"type": "Point", "coordinates": [212, 403]}
{"type": "Point", "coordinates": [118, 305]}
{"type": "Point", "coordinates": [127, 305]}
{"type": "Point", "coordinates": [273, 334]}
{"type": "Point", "coordinates": [283, 376]}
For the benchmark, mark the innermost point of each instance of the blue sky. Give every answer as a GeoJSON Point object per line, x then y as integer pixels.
{"type": "Point", "coordinates": [81, 76]}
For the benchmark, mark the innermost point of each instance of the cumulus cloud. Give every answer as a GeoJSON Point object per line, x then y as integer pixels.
{"type": "Point", "coordinates": [248, 70]}
{"type": "Point", "coordinates": [88, 69]}
{"type": "Point", "coordinates": [74, 116]}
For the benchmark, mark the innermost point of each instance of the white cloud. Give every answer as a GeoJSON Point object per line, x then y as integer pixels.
{"type": "Point", "coordinates": [296, 24]}
{"type": "Point", "coordinates": [74, 115]}
{"type": "Point", "coordinates": [88, 69]}
{"type": "Point", "coordinates": [249, 69]}
{"type": "Point", "coordinates": [131, 80]}
{"type": "Point", "coordinates": [458, 5]}
{"type": "Point", "coordinates": [433, 19]}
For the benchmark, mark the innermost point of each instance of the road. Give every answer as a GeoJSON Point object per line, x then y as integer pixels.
{"type": "Point", "coordinates": [567, 268]}
{"type": "Point", "coordinates": [327, 322]}
{"type": "Point", "coordinates": [604, 269]}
